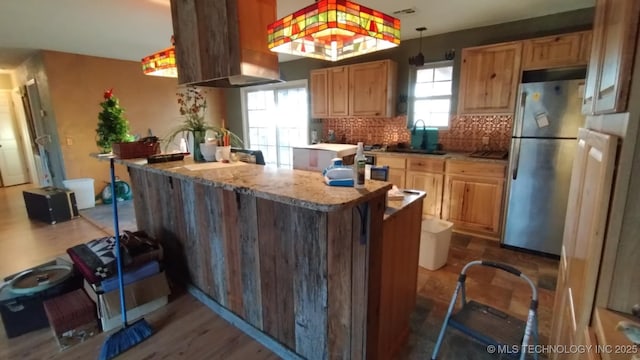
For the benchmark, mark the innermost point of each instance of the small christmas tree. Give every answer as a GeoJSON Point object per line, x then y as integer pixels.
{"type": "Point", "coordinates": [112, 126]}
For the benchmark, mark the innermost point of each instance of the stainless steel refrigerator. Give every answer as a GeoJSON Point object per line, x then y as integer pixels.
{"type": "Point", "coordinates": [542, 147]}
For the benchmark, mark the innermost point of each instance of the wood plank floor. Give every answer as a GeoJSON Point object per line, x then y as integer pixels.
{"type": "Point", "coordinates": [185, 329]}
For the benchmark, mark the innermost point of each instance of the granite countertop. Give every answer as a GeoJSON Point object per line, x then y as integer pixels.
{"type": "Point", "coordinates": [449, 155]}
{"type": "Point", "coordinates": [296, 187]}
{"type": "Point", "coordinates": [393, 206]}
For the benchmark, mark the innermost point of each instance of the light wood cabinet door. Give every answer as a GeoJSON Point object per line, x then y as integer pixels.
{"type": "Point", "coordinates": [489, 78]}
{"type": "Point", "coordinates": [319, 85]}
{"type": "Point", "coordinates": [397, 177]}
{"type": "Point", "coordinates": [585, 223]}
{"type": "Point", "coordinates": [368, 89]}
{"type": "Point", "coordinates": [615, 31]}
{"type": "Point", "coordinates": [432, 184]}
{"type": "Point", "coordinates": [474, 204]}
{"type": "Point", "coordinates": [338, 91]}
{"type": "Point", "coordinates": [397, 165]}
{"type": "Point", "coordinates": [555, 51]}
{"type": "Point", "coordinates": [618, 47]}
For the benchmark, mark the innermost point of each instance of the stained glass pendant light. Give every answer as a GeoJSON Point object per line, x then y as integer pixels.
{"type": "Point", "coordinates": [333, 30]}
{"type": "Point", "coordinates": [161, 63]}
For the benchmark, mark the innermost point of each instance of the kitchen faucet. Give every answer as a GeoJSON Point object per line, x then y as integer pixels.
{"type": "Point", "coordinates": [423, 144]}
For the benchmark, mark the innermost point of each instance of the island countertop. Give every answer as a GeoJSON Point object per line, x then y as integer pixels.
{"type": "Point", "coordinates": [299, 265]}
{"type": "Point", "coordinates": [295, 187]}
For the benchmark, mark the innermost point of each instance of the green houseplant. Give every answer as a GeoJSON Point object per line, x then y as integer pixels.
{"type": "Point", "coordinates": [193, 106]}
{"type": "Point", "coordinates": [112, 126]}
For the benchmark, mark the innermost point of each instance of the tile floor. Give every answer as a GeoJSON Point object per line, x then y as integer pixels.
{"type": "Point", "coordinates": [489, 286]}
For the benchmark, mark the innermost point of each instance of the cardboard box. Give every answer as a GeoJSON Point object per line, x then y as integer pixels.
{"type": "Point", "coordinates": [72, 317]}
{"type": "Point", "coordinates": [318, 157]}
{"type": "Point", "coordinates": [141, 298]}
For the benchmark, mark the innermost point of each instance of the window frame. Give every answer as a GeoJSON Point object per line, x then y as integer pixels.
{"type": "Point", "coordinates": [411, 98]}
{"type": "Point", "coordinates": [302, 83]}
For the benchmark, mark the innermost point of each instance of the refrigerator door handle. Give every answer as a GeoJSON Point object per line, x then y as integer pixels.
{"type": "Point", "coordinates": [520, 115]}
{"type": "Point", "coordinates": [516, 158]}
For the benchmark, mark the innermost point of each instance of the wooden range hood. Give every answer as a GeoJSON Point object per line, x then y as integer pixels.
{"type": "Point", "coordinates": [223, 43]}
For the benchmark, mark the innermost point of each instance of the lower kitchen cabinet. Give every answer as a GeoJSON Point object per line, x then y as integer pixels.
{"type": "Point", "coordinates": [474, 203]}
{"type": "Point", "coordinates": [427, 174]}
{"type": "Point", "coordinates": [430, 183]}
{"type": "Point", "coordinates": [396, 166]}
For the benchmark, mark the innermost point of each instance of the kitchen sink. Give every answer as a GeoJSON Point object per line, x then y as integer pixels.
{"type": "Point", "coordinates": [487, 154]}
{"type": "Point", "coordinates": [416, 151]}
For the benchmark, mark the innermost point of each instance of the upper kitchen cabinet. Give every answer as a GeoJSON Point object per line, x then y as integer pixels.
{"type": "Point", "coordinates": [615, 30]}
{"type": "Point", "coordinates": [372, 89]}
{"type": "Point", "coordinates": [319, 80]}
{"type": "Point", "coordinates": [224, 43]}
{"type": "Point", "coordinates": [366, 89]}
{"type": "Point", "coordinates": [489, 79]}
{"type": "Point", "coordinates": [339, 94]}
{"type": "Point", "coordinates": [556, 51]}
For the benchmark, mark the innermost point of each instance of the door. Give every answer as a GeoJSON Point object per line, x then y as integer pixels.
{"type": "Point", "coordinates": [13, 170]}
{"type": "Point", "coordinates": [276, 119]}
{"type": "Point", "coordinates": [489, 78]}
{"type": "Point", "coordinates": [430, 183]}
{"type": "Point", "coordinates": [368, 89]}
{"type": "Point", "coordinates": [619, 34]}
{"type": "Point", "coordinates": [319, 94]}
{"type": "Point", "coordinates": [539, 176]}
{"type": "Point", "coordinates": [338, 91]}
{"type": "Point", "coordinates": [584, 230]}
{"type": "Point", "coordinates": [474, 203]}
{"type": "Point", "coordinates": [549, 109]}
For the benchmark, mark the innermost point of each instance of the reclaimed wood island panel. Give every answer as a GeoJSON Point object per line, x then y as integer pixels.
{"type": "Point", "coordinates": [302, 262]}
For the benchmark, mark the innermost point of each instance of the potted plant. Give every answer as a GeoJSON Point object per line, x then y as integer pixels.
{"type": "Point", "coordinates": [193, 106]}
{"type": "Point", "coordinates": [112, 126]}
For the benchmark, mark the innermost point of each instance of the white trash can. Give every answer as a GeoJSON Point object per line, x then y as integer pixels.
{"type": "Point", "coordinates": [434, 243]}
{"type": "Point", "coordinates": [83, 189]}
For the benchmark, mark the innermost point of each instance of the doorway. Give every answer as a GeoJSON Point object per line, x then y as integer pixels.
{"type": "Point", "coordinates": [13, 169]}
{"type": "Point", "coordinates": [275, 118]}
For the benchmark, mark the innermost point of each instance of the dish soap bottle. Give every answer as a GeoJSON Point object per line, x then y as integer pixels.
{"type": "Point", "coordinates": [359, 164]}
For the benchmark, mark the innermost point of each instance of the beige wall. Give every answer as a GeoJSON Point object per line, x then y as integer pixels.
{"type": "Point", "coordinates": [5, 81]}
{"type": "Point", "coordinates": [77, 84]}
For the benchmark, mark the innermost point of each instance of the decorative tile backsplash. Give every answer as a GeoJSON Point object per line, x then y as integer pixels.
{"type": "Point", "coordinates": [464, 134]}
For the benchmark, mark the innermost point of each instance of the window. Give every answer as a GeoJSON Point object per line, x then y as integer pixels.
{"type": "Point", "coordinates": [431, 94]}
{"type": "Point", "coordinates": [275, 120]}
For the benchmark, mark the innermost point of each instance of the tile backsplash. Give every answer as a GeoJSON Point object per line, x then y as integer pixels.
{"type": "Point", "coordinates": [464, 134]}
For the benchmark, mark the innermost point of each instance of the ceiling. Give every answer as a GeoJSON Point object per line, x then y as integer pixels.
{"type": "Point", "coordinates": [132, 29]}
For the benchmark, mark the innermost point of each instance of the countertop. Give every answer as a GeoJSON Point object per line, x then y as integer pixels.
{"type": "Point", "coordinates": [449, 155]}
{"type": "Point", "coordinates": [393, 206]}
{"type": "Point", "coordinates": [296, 187]}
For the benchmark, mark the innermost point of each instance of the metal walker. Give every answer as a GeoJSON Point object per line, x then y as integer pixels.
{"type": "Point", "coordinates": [488, 325]}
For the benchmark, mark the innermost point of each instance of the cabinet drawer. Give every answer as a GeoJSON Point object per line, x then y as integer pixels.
{"type": "Point", "coordinates": [485, 169]}
{"type": "Point", "coordinates": [425, 164]}
{"type": "Point", "coordinates": [391, 161]}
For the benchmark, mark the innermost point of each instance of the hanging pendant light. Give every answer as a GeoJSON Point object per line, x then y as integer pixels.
{"type": "Point", "coordinates": [161, 63]}
{"type": "Point", "coordinates": [333, 30]}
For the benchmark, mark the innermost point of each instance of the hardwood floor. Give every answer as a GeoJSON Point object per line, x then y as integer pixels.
{"type": "Point", "coordinates": [187, 329]}
{"type": "Point", "coordinates": [184, 329]}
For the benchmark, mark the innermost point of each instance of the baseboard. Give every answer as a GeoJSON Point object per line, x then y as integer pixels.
{"type": "Point", "coordinates": [243, 326]}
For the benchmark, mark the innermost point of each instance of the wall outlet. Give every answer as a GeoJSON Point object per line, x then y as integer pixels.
{"type": "Point", "coordinates": [485, 140]}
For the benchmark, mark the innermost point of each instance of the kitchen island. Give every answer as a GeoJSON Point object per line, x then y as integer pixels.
{"type": "Point", "coordinates": [307, 269]}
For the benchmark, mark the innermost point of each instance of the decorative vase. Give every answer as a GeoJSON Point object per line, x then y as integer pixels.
{"type": "Point", "coordinates": [198, 138]}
